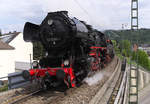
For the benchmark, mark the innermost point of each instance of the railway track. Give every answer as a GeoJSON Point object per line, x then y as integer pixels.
{"type": "Point", "coordinates": [103, 95]}
{"type": "Point", "coordinates": [116, 89]}
{"type": "Point", "coordinates": [22, 98]}
{"type": "Point", "coordinates": [74, 96]}
{"type": "Point", "coordinates": [18, 97]}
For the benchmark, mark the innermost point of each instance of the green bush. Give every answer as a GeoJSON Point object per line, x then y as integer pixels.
{"type": "Point", "coordinates": [142, 58]}
{"type": "Point", "coordinates": [4, 88]}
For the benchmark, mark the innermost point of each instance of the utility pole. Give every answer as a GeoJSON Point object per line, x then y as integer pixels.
{"type": "Point", "coordinates": [134, 15]}
{"type": "Point", "coordinates": [122, 38]}
{"type": "Point", "coordinates": [133, 80]}
{"type": "Point", "coordinates": [0, 32]}
{"type": "Point", "coordinates": [122, 43]}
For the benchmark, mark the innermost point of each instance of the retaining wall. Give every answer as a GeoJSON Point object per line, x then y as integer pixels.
{"type": "Point", "coordinates": [144, 78]}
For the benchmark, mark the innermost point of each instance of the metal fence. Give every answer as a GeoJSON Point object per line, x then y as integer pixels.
{"type": "Point", "coordinates": [16, 80]}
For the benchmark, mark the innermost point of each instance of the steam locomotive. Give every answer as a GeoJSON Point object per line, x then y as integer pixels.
{"type": "Point", "coordinates": [73, 50]}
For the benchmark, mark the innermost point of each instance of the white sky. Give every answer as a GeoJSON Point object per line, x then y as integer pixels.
{"type": "Point", "coordinates": [102, 14]}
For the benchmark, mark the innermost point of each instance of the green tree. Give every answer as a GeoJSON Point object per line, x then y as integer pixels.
{"type": "Point", "coordinates": [134, 55]}
{"type": "Point", "coordinates": [38, 51]}
{"type": "Point", "coordinates": [125, 46]}
{"type": "Point", "coordinates": [115, 46]}
{"type": "Point", "coordinates": [142, 58]}
{"type": "Point", "coordinates": [142, 35]}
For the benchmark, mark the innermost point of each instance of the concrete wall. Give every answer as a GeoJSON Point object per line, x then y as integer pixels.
{"type": "Point", "coordinates": [144, 78]}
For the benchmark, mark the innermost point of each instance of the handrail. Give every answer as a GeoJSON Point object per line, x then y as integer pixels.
{"type": "Point", "coordinates": [100, 93]}
{"type": "Point", "coordinates": [123, 90]}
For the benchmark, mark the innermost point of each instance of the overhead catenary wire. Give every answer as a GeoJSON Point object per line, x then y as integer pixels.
{"type": "Point", "coordinates": [85, 11]}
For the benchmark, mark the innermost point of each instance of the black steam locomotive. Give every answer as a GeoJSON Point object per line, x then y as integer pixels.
{"type": "Point", "coordinates": [73, 49]}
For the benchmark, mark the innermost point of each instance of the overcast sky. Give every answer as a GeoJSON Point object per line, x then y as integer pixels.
{"type": "Point", "coordinates": [102, 14]}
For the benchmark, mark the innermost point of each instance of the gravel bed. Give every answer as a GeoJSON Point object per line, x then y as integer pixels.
{"type": "Point", "coordinates": [15, 92]}
{"type": "Point", "coordinates": [8, 94]}
{"type": "Point", "coordinates": [80, 95]}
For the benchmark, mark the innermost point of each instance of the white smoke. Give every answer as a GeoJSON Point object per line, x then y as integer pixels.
{"type": "Point", "coordinates": [95, 78]}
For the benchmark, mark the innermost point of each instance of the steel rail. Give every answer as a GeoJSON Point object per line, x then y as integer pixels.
{"type": "Point", "coordinates": [121, 89]}
{"type": "Point", "coordinates": [18, 98]}
{"type": "Point", "coordinates": [116, 89]}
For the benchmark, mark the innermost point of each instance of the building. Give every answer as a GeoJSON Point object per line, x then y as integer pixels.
{"type": "Point", "coordinates": [135, 47]}
{"type": "Point", "coordinates": [15, 53]}
{"type": "Point", "coordinates": [7, 62]}
{"type": "Point", "coordinates": [146, 48]}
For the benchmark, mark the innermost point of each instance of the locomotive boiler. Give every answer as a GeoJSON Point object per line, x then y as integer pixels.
{"type": "Point", "coordinates": [73, 50]}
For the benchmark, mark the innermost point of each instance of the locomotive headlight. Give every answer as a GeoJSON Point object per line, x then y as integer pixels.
{"type": "Point", "coordinates": [35, 64]}
{"type": "Point", "coordinates": [50, 22]}
{"type": "Point", "coordinates": [66, 62]}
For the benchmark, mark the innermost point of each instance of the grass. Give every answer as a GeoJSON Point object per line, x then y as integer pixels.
{"type": "Point", "coordinates": [4, 88]}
